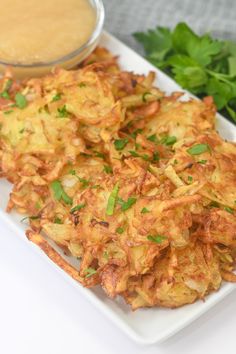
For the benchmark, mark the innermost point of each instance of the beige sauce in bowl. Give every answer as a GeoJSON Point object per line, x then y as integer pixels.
{"type": "Point", "coordinates": [39, 31]}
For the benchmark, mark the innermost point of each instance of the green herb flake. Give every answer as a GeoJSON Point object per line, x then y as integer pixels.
{"type": "Point", "coordinates": [168, 140]}
{"type": "Point", "coordinates": [8, 84]}
{"type": "Point", "coordinates": [58, 221]}
{"type": "Point", "coordinates": [112, 200]}
{"type": "Point", "coordinates": [202, 162]}
{"type": "Point", "coordinates": [229, 210]}
{"type": "Point", "coordinates": [145, 211]}
{"type": "Point", "coordinates": [135, 133]}
{"type": "Point", "coordinates": [213, 204]}
{"type": "Point", "coordinates": [120, 230]}
{"type": "Point", "coordinates": [59, 193]}
{"type": "Point", "coordinates": [22, 131]}
{"type": "Point", "coordinates": [62, 112]}
{"type": "Point", "coordinates": [20, 100]}
{"type": "Point", "coordinates": [120, 144]}
{"type": "Point", "coordinates": [82, 84]}
{"type": "Point", "coordinates": [153, 138]}
{"type": "Point", "coordinates": [89, 272]}
{"type": "Point", "coordinates": [77, 208]}
{"type": "Point", "coordinates": [125, 205]}
{"type": "Point", "coordinates": [144, 97]}
{"type": "Point", "coordinates": [156, 238]}
{"type": "Point", "coordinates": [5, 95]}
{"type": "Point", "coordinates": [106, 255]}
{"type": "Point", "coordinates": [156, 156]}
{"type": "Point", "coordinates": [8, 112]}
{"type": "Point", "coordinates": [107, 169]}
{"type": "Point", "coordinates": [198, 149]}
{"type": "Point", "coordinates": [190, 178]}
{"type": "Point", "coordinates": [99, 154]}
{"type": "Point", "coordinates": [57, 97]}
{"type": "Point", "coordinates": [145, 157]}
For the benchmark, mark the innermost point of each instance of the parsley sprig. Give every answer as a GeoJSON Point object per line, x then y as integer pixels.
{"type": "Point", "coordinates": [200, 64]}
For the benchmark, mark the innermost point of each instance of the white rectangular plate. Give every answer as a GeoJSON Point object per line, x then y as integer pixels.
{"type": "Point", "coordinates": [145, 326]}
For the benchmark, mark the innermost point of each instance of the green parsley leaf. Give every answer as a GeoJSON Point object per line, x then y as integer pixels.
{"type": "Point", "coordinates": [213, 204]}
{"type": "Point", "coordinates": [190, 178]}
{"type": "Point", "coordinates": [144, 97]}
{"type": "Point", "coordinates": [168, 140]}
{"type": "Point", "coordinates": [120, 230]}
{"type": "Point", "coordinates": [5, 95]}
{"type": "Point", "coordinates": [89, 272]}
{"type": "Point", "coordinates": [82, 84]}
{"type": "Point", "coordinates": [120, 144]}
{"type": "Point", "coordinates": [145, 211]}
{"type": "Point", "coordinates": [58, 221]}
{"type": "Point", "coordinates": [229, 210]}
{"type": "Point", "coordinates": [77, 208]}
{"type": "Point", "coordinates": [156, 156]}
{"type": "Point", "coordinates": [145, 157]}
{"type": "Point", "coordinates": [59, 192]}
{"type": "Point", "coordinates": [125, 205]}
{"type": "Point", "coordinates": [199, 63]}
{"type": "Point", "coordinates": [135, 133]}
{"type": "Point", "coordinates": [112, 200]}
{"type": "Point", "coordinates": [153, 138]}
{"type": "Point", "coordinates": [198, 149]}
{"type": "Point", "coordinates": [202, 162]}
{"type": "Point", "coordinates": [107, 169]}
{"type": "Point", "coordinates": [62, 112]}
{"type": "Point", "coordinates": [20, 100]}
{"type": "Point", "coordinates": [57, 97]}
{"type": "Point", "coordinates": [156, 238]}
{"type": "Point", "coordinates": [8, 112]}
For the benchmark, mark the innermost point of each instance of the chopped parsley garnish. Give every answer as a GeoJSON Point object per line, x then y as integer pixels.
{"type": "Point", "coordinates": [135, 133]}
{"type": "Point", "coordinates": [22, 131]}
{"type": "Point", "coordinates": [156, 156]}
{"type": "Point", "coordinates": [214, 204]}
{"type": "Point", "coordinates": [62, 112]}
{"type": "Point", "coordinates": [107, 169]}
{"type": "Point", "coordinates": [190, 178]}
{"type": "Point", "coordinates": [82, 84]}
{"type": "Point", "coordinates": [77, 208]}
{"type": "Point", "coordinates": [99, 154]}
{"type": "Point", "coordinates": [37, 205]}
{"type": "Point", "coordinates": [120, 230]}
{"type": "Point", "coordinates": [5, 95]}
{"type": "Point", "coordinates": [59, 192]}
{"type": "Point", "coordinates": [89, 272]}
{"type": "Point", "coordinates": [20, 100]}
{"type": "Point", "coordinates": [58, 221]}
{"type": "Point", "coordinates": [229, 210]}
{"type": "Point", "coordinates": [153, 138]}
{"type": "Point", "coordinates": [112, 200]}
{"type": "Point", "coordinates": [144, 97]}
{"type": "Point", "coordinates": [168, 140]}
{"type": "Point", "coordinates": [8, 85]}
{"type": "Point", "coordinates": [202, 162]}
{"type": "Point", "coordinates": [8, 112]}
{"type": "Point", "coordinates": [120, 144]}
{"type": "Point", "coordinates": [198, 149]}
{"type": "Point", "coordinates": [135, 154]}
{"type": "Point", "coordinates": [125, 205]}
{"type": "Point", "coordinates": [106, 255]}
{"type": "Point", "coordinates": [85, 182]}
{"type": "Point", "coordinates": [156, 238]}
{"type": "Point", "coordinates": [145, 211]}
{"type": "Point", "coordinates": [57, 97]}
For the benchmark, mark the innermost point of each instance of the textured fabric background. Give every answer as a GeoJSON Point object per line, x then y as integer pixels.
{"type": "Point", "coordinates": [123, 17]}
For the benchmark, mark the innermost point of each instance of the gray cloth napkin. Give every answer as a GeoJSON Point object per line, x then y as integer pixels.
{"type": "Point", "coordinates": [123, 17]}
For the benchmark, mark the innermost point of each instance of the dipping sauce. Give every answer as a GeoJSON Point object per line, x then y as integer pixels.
{"type": "Point", "coordinates": [39, 31]}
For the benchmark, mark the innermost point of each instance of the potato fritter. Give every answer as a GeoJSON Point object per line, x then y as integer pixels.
{"type": "Point", "coordinates": [136, 184]}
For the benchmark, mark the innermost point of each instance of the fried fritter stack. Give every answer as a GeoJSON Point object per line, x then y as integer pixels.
{"type": "Point", "coordinates": [136, 184]}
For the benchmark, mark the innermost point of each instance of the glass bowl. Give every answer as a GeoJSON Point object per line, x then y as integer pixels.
{"type": "Point", "coordinates": [67, 61]}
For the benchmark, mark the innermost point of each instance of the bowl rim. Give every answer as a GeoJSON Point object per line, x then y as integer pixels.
{"type": "Point", "coordinates": [100, 16]}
